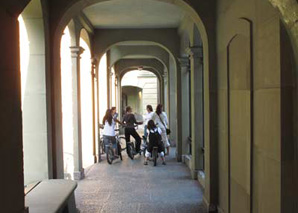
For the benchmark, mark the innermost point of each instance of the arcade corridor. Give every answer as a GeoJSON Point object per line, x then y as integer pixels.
{"type": "Point", "coordinates": [225, 71]}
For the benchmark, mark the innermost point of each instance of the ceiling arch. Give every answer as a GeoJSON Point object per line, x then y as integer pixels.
{"type": "Point", "coordinates": [149, 69]}
{"type": "Point", "coordinates": [138, 52]}
{"type": "Point", "coordinates": [136, 63]}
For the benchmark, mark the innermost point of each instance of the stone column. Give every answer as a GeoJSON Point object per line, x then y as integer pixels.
{"type": "Point", "coordinates": [76, 51]}
{"type": "Point", "coordinates": [197, 110]}
{"type": "Point", "coordinates": [173, 94]}
{"type": "Point", "coordinates": [11, 146]}
{"type": "Point", "coordinates": [95, 64]}
{"type": "Point", "coordinates": [161, 92]}
{"type": "Point", "coordinates": [185, 74]}
{"type": "Point", "coordinates": [93, 83]}
{"type": "Point", "coordinates": [165, 92]}
{"type": "Point", "coordinates": [178, 110]}
{"type": "Point", "coordinates": [118, 95]}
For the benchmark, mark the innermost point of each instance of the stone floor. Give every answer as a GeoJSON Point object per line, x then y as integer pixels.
{"type": "Point", "coordinates": [131, 187]}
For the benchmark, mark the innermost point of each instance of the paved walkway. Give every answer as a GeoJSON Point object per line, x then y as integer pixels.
{"type": "Point", "coordinates": [131, 187]}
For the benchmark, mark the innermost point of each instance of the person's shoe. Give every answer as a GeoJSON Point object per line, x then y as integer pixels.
{"type": "Point", "coordinates": [163, 163]}
{"type": "Point", "coordinates": [146, 163]}
{"type": "Point", "coordinates": [116, 156]}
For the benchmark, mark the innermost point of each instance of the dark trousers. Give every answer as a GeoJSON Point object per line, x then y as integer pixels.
{"type": "Point", "coordinates": [132, 132]}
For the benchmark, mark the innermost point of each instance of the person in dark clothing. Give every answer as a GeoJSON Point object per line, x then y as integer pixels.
{"type": "Point", "coordinates": [154, 140]}
{"type": "Point", "coordinates": [130, 121]}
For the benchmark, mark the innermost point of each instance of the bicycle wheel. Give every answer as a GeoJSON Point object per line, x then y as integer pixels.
{"type": "Point", "coordinates": [122, 142]}
{"type": "Point", "coordinates": [110, 155]}
{"type": "Point", "coordinates": [130, 150]}
{"type": "Point", "coordinates": [102, 146]}
{"type": "Point", "coordinates": [119, 150]}
{"type": "Point", "coordinates": [154, 156]}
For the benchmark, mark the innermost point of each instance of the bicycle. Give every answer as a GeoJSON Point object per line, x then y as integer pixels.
{"type": "Point", "coordinates": [154, 155]}
{"type": "Point", "coordinates": [120, 140]}
{"type": "Point", "coordinates": [144, 146]}
{"type": "Point", "coordinates": [129, 146]}
{"type": "Point", "coordinates": [131, 150]}
{"type": "Point", "coordinates": [102, 145]}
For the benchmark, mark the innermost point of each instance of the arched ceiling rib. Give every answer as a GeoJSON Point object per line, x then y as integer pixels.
{"type": "Point", "coordinates": [118, 52]}
{"type": "Point", "coordinates": [133, 64]}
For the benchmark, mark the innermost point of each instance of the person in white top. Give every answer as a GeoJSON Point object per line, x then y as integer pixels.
{"type": "Point", "coordinates": [161, 120]}
{"type": "Point", "coordinates": [148, 117]}
{"type": "Point", "coordinates": [109, 130]}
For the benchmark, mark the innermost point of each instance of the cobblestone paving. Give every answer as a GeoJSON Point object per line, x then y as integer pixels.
{"type": "Point", "coordinates": [131, 187]}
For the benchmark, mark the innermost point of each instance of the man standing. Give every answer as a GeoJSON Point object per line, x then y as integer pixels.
{"type": "Point", "coordinates": [129, 120]}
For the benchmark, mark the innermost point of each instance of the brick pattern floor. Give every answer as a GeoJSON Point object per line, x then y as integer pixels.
{"type": "Point", "coordinates": [131, 187]}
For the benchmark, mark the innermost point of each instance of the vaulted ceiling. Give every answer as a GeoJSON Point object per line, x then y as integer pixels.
{"type": "Point", "coordinates": [134, 14]}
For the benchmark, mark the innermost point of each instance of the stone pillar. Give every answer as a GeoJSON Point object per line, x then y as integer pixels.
{"type": "Point", "coordinates": [178, 109]}
{"type": "Point", "coordinates": [197, 110]}
{"type": "Point", "coordinates": [173, 101]}
{"type": "Point", "coordinates": [76, 105]}
{"type": "Point", "coordinates": [93, 83]}
{"type": "Point", "coordinates": [11, 147]}
{"type": "Point", "coordinates": [165, 92]}
{"type": "Point", "coordinates": [161, 92]}
{"type": "Point", "coordinates": [95, 64]}
{"type": "Point", "coordinates": [118, 95]}
{"type": "Point", "coordinates": [185, 74]}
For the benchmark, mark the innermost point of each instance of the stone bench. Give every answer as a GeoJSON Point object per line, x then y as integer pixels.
{"type": "Point", "coordinates": [51, 196]}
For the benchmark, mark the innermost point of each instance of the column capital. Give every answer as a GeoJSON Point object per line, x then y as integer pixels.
{"type": "Point", "coordinates": [195, 52]}
{"type": "Point", "coordinates": [94, 62]}
{"type": "Point", "coordinates": [76, 51]}
{"type": "Point", "coordinates": [165, 75]}
{"type": "Point", "coordinates": [184, 62]}
{"type": "Point", "coordinates": [116, 81]}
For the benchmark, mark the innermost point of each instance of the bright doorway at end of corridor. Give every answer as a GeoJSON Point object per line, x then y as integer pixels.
{"type": "Point", "coordinates": [139, 89]}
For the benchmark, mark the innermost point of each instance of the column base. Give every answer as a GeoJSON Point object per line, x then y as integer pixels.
{"type": "Point", "coordinates": [178, 157]}
{"type": "Point", "coordinates": [194, 174]}
{"type": "Point", "coordinates": [211, 207]}
{"type": "Point", "coordinates": [26, 209]}
{"type": "Point", "coordinates": [78, 175]}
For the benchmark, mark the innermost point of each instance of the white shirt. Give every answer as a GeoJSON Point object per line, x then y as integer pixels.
{"type": "Point", "coordinates": [156, 129]}
{"type": "Point", "coordinates": [148, 117]}
{"type": "Point", "coordinates": [161, 120]}
{"type": "Point", "coordinates": [109, 130]}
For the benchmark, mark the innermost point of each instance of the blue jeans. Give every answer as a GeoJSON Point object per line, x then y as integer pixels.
{"type": "Point", "coordinates": [107, 139]}
{"type": "Point", "coordinates": [145, 131]}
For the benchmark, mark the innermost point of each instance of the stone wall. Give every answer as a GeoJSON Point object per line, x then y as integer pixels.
{"type": "Point", "coordinates": [250, 115]}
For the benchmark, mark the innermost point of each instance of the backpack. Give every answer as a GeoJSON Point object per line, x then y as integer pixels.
{"type": "Point", "coordinates": [154, 140]}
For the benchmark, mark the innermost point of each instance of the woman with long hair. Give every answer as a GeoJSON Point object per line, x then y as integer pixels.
{"type": "Point", "coordinates": [161, 120]}
{"type": "Point", "coordinates": [109, 130]}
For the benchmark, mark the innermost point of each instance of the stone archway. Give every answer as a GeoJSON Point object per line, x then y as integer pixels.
{"type": "Point", "coordinates": [37, 158]}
